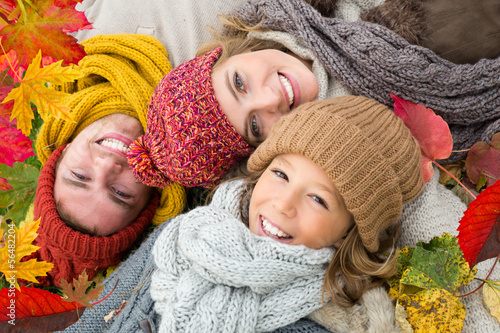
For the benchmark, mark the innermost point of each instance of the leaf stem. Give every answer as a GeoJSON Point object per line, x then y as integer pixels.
{"type": "Point", "coordinates": [460, 151]}
{"type": "Point", "coordinates": [103, 299]}
{"type": "Point", "coordinates": [483, 281]}
{"type": "Point", "coordinates": [455, 178]}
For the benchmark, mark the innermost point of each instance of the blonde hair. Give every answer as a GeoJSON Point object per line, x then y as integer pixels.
{"type": "Point", "coordinates": [233, 39]}
{"type": "Point", "coordinates": [353, 269]}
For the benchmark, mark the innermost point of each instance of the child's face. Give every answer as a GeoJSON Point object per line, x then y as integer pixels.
{"type": "Point", "coordinates": [295, 202]}
{"type": "Point", "coordinates": [95, 188]}
{"type": "Point", "coordinates": [255, 89]}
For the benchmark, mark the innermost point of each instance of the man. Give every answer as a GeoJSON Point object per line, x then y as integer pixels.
{"type": "Point", "coordinates": [91, 207]}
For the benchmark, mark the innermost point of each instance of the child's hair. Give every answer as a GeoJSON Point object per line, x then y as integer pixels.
{"type": "Point", "coordinates": [373, 160]}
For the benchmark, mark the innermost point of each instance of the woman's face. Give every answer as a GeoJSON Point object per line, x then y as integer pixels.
{"type": "Point", "coordinates": [295, 202]}
{"type": "Point", "coordinates": [255, 89]}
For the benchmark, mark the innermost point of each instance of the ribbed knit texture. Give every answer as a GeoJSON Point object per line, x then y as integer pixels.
{"type": "Point", "coordinates": [121, 73]}
{"type": "Point", "coordinates": [188, 139]}
{"type": "Point", "coordinates": [368, 153]}
{"type": "Point", "coordinates": [71, 251]}
{"type": "Point", "coordinates": [373, 61]}
{"type": "Point", "coordinates": [214, 275]}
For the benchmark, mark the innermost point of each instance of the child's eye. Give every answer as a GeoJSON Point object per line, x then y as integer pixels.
{"type": "Point", "coordinates": [79, 176]}
{"type": "Point", "coordinates": [238, 82]}
{"type": "Point", "coordinates": [319, 200]}
{"type": "Point", "coordinates": [280, 174]}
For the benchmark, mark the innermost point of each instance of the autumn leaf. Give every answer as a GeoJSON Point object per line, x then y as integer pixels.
{"type": "Point", "coordinates": [491, 294]}
{"type": "Point", "coordinates": [14, 145]}
{"type": "Point", "coordinates": [32, 88]}
{"type": "Point", "coordinates": [23, 178]}
{"type": "Point", "coordinates": [401, 318]}
{"type": "Point", "coordinates": [427, 282]}
{"type": "Point", "coordinates": [44, 28]}
{"type": "Point", "coordinates": [484, 160]}
{"type": "Point", "coordinates": [18, 244]}
{"type": "Point", "coordinates": [78, 293]}
{"type": "Point", "coordinates": [480, 226]}
{"type": "Point", "coordinates": [430, 130]}
{"type": "Point", "coordinates": [36, 310]}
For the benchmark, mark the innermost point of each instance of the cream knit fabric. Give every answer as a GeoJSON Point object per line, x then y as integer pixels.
{"type": "Point", "coordinates": [214, 275]}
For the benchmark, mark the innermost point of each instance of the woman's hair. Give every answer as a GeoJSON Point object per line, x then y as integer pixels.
{"type": "Point", "coordinates": [233, 39]}
{"type": "Point", "coordinates": [353, 270]}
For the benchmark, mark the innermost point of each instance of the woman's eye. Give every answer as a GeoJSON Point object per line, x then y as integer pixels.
{"type": "Point", "coordinates": [280, 174]}
{"type": "Point", "coordinates": [319, 200]}
{"type": "Point", "coordinates": [238, 82]}
{"type": "Point", "coordinates": [255, 127]}
{"type": "Point", "coordinates": [121, 194]}
{"type": "Point", "coordinates": [79, 176]}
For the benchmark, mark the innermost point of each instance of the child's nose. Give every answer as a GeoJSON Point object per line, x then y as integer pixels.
{"type": "Point", "coordinates": [285, 203]}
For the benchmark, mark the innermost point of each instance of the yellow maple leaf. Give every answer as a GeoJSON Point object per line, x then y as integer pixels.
{"type": "Point", "coordinates": [33, 89]}
{"type": "Point", "coordinates": [434, 310]}
{"type": "Point", "coordinates": [491, 293]}
{"type": "Point", "coordinates": [18, 244]}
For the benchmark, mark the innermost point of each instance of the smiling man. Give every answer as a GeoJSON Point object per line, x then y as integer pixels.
{"type": "Point", "coordinates": [92, 209]}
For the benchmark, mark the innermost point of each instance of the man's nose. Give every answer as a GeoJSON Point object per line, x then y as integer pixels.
{"type": "Point", "coordinates": [107, 165]}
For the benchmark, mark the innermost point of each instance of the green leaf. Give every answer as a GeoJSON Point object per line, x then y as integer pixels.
{"type": "Point", "coordinates": [24, 179]}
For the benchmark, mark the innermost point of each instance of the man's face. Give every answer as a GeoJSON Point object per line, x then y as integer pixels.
{"type": "Point", "coordinates": [95, 189]}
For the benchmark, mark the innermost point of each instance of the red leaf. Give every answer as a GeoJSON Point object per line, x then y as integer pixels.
{"type": "Point", "coordinates": [14, 145]}
{"type": "Point", "coordinates": [35, 310]}
{"type": "Point", "coordinates": [479, 229]}
{"type": "Point", "coordinates": [430, 130]}
{"type": "Point", "coordinates": [484, 159]}
{"type": "Point", "coordinates": [45, 30]}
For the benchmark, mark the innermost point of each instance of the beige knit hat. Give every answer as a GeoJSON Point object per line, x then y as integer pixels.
{"type": "Point", "coordinates": [368, 153]}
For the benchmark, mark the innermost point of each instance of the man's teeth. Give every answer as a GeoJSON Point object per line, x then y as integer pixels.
{"type": "Point", "coordinates": [288, 86]}
{"type": "Point", "coordinates": [114, 144]}
{"type": "Point", "coordinates": [272, 230]}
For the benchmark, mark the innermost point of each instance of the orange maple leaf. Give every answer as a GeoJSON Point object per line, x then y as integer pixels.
{"type": "Point", "coordinates": [78, 292]}
{"type": "Point", "coordinates": [479, 228]}
{"type": "Point", "coordinates": [32, 89]}
{"type": "Point", "coordinates": [43, 26]}
{"type": "Point", "coordinates": [431, 131]}
{"type": "Point", "coordinates": [18, 244]}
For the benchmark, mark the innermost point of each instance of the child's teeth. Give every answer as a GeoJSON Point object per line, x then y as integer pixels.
{"type": "Point", "coordinates": [272, 230]}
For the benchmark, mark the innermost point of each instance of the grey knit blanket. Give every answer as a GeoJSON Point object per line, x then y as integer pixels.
{"type": "Point", "coordinates": [373, 61]}
{"type": "Point", "coordinates": [213, 275]}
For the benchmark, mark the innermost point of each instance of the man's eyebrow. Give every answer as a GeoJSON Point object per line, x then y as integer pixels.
{"type": "Point", "coordinates": [120, 202]}
{"type": "Point", "coordinates": [74, 183]}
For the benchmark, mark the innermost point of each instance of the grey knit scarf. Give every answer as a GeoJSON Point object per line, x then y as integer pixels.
{"type": "Point", "coordinates": [373, 61]}
{"type": "Point", "coordinates": [213, 275]}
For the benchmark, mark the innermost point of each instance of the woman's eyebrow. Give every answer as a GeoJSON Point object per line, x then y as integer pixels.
{"type": "Point", "coordinates": [74, 183]}
{"type": "Point", "coordinates": [230, 86]}
{"type": "Point", "coordinates": [120, 202]}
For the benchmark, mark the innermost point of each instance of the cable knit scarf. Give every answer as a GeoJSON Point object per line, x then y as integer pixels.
{"type": "Point", "coordinates": [373, 61]}
{"type": "Point", "coordinates": [213, 275]}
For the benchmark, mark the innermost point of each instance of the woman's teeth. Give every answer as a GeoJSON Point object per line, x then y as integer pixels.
{"type": "Point", "coordinates": [288, 86]}
{"type": "Point", "coordinates": [273, 231]}
{"type": "Point", "coordinates": [114, 144]}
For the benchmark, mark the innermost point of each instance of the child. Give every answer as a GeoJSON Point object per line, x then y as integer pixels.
{"type": "Point", "coordinates": [321, 203]}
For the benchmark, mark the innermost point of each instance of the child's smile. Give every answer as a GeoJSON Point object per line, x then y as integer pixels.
{"type": "Point", "coordinates": [295, 202]}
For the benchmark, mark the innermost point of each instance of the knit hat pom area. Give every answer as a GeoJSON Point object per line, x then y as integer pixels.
{"type": "Point", "coordinates": [367, 152]}
{"type": "Point", "coordinates": [188, 139]}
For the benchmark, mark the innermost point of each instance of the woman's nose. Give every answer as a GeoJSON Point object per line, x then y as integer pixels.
{"type": "Point", "coordinates": [267, 100]}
